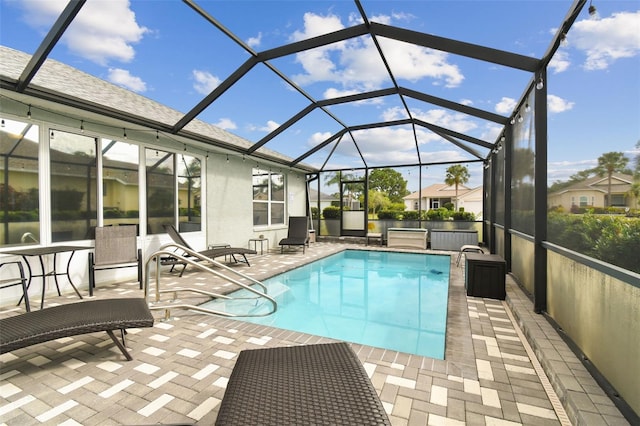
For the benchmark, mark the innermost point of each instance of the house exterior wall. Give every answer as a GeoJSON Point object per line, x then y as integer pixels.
{"type": "Point", "coordinates": [230, 204]}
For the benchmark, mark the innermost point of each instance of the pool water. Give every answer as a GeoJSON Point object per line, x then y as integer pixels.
{"type": "Point", "coordinates": [390, 300]}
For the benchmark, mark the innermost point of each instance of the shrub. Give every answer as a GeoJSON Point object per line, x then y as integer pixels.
{"type": "Point", "coordinates": [388, 214]}
{"type": "Point", "coordinates": [331, 212]}
{"type": "Point", "coordinates": [441, 213]}
{"type": "Point", "coordinates": [314, 212]}
{"type": "Point", "coordinates": [612, 239]}
{"type": "Point", "coordinates": [448, 206]}
{"type": "Point", "coordinates": [462, 215]}
{"type": "Point", "coordinates": [411, 215]}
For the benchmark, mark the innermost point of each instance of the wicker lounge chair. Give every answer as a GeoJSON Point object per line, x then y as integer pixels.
{"type": "Point", "coordinates": [232, 252]}
{"type": "Point", "coordinates": [91, 316]}
{"type": "Point", "coordinates": [322, 384]}
{"type": "Point", "coordinates": [298, 234]}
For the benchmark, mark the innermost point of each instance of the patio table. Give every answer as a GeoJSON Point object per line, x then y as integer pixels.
{"type": "Point", "coordinates": [40, 252]}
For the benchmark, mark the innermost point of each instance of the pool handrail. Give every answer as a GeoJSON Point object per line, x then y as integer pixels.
{"type": "Point", "coordinates": [196, 259]}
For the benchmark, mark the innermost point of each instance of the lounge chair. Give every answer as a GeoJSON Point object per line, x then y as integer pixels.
{"type": "Point", "coordinates": [210, 253]}
{"type": "Point", "coordinates": [298, 234]}
{"type": "Point", "coordinates": [91, 316]}
{"type": "Point", "coordinates": [310, 384]}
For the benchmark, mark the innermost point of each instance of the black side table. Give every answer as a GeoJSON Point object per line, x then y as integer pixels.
{"type": "Point", "coordinates": [485, 275]}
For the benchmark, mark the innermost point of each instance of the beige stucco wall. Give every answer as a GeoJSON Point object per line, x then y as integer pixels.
{"type": "Point", "coordinates": [601, 315]}
{"type": "Point", "coordinates": [522, 265]}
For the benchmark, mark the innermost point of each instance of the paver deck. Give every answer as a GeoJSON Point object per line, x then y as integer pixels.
{"type": "Point", "coordinates": [491, 374]}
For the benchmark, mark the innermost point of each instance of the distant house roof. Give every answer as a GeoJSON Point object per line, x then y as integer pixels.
{"type": "Point", "coordinates": [313, 195]}
{"type": "Point", "coordinates": [438, 190]}
{"type": "Point", "coordinates": [619, 183]}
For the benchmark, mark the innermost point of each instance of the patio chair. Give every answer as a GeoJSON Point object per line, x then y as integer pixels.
{"type": "Point", "coordinates": [210, 253]}
{"type": "Point", "coordinates": [21, 280]}
{"type": "Point", "coordinates": [298, 234]}
{"type": "Point", "coordinates": [116, 247]}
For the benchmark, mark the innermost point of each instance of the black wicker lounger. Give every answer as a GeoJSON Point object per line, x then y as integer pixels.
{"type": "Point", "coordinates": [322, 384]}
{"type": "Point", "coordinates": [89, 316]}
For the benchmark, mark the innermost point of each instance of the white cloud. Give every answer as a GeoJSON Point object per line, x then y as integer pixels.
{"type": "Point", "coordinates": [505, 106]}
{"type": "Point", "coordinates": [205, 82]}
{"type": "Point", "coordinates": [606, 40]}
{"type": "Point", "coordinates": [332, 93]}
{"type": "Point", "coordinates": [125, 79]}
{"type": "Point", "coordinates": [556, 104]}
{"type": "Point", "coordinates": [226, 123]}
{"type": "Point", "coordinates": [267, 128]}
{"type": "Point", "coordinates": [315, 25]}
{"type": "Point", "coordinates": [102, 32]}
{"type": "Point", "coordinates": [491, 132]}
{"type": "Point", "coordinates": [560, 62]}
{"type": "Point", "coordinates": [563, 170]}
{"type": "Point", "coordinates": [356, 64]}
{"type": "Point", "coordinates": [319, 137]}
{"type": "Point", "coordinates": [255, 41]}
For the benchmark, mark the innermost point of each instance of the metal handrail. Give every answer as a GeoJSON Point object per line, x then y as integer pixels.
{"type": "Point", "coordinates": [189, 258]}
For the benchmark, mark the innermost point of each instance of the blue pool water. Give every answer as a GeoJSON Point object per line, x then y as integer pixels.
{"type": "Point", "coordinates": [396, 301]}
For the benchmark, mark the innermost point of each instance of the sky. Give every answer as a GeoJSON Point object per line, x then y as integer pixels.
{"type": "Point", "coordinates": [163, 50]}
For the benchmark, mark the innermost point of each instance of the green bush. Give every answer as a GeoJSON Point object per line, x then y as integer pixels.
{"type": "Point", "coordinates": [314, 212]}
{"type": "Point", "coordinates": [112, 213]}
{"type": "Point", "coordinates": [411, 215]}
{"type": "Point", "coordinates": [612, 239]}
{"type": "Point", "coordinates": [331, 212]}
{"type": "Point", "coordinates": [462, 215]}
{"type": "Point", "coordinates": [388, 214]}
{"type": "Point", "coordinates": [441, 213]}
{"type": "Point", "coordinates": [20, 216]}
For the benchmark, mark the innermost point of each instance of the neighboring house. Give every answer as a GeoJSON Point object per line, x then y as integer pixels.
{"type": "Point", "coordinates": [439, 194]}
{"type": "Point", "coordinates": [325, 199]}
{"type": "Point", "coordinates": [593, 192]}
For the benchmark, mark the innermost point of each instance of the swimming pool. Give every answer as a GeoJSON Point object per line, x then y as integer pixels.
{"type": "Point", "coordinates": [391, 300]}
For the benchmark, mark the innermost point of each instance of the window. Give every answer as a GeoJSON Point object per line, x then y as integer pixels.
{"type": "Point", "coordinates": [583, 201]}
{"type": "Point", "coordinates": [189, 185]}
{"type": "Point", "coordinates": [19, 196]}
{"type": "Point", "coordinates": [617, 200]}
{"type": "Point", "coordinates": [161, 198]}
{"type": "Point", "coordinates": [120, 185]}
{"type": "Point", "coordinates": [268, 198]}
{"type": "Point", "coordinates": [73, 185]}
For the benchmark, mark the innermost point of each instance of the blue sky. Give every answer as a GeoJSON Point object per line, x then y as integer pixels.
{"type": "Point", "coordinates": [165, 51]}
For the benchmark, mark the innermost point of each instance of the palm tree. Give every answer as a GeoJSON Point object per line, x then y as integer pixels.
{"type": "Point", "coordinates": [457, 175]}
{"type": "Point", "coordinates": [608, 164]}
